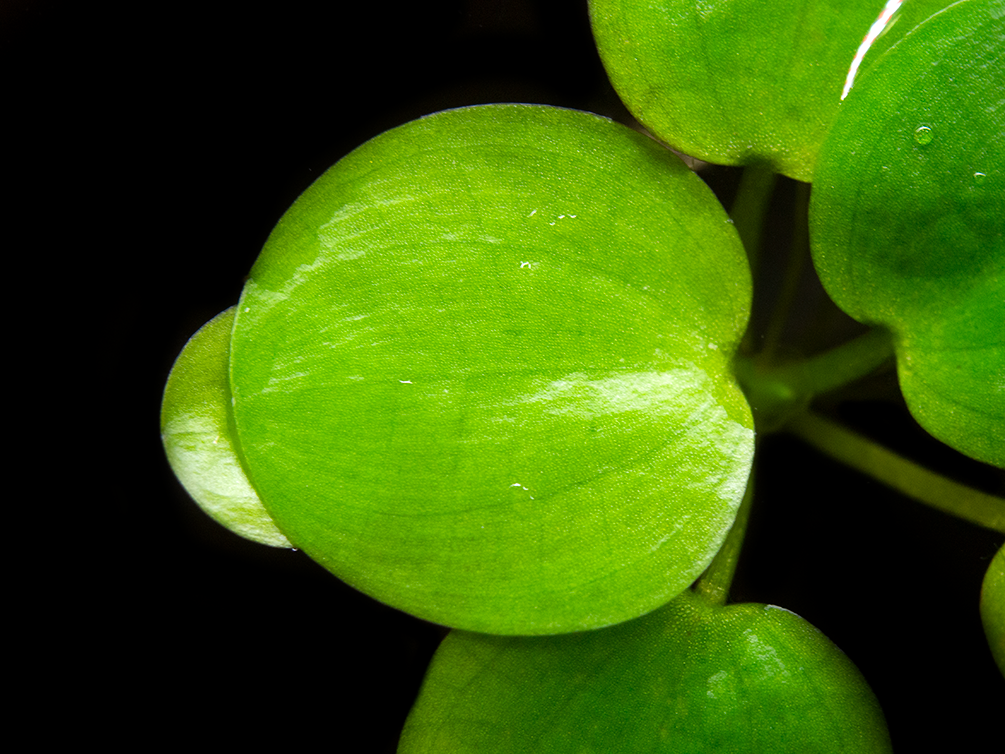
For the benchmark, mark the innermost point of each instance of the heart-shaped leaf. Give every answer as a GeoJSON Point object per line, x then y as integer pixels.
{"type": "Point", "coordinates": [690, 677]}
{"type": "Point", "coordinates": [907, 223]}
{"type": "Point", "coordinates": [734, 82]}
{"type": "Point", "coordinates": [197, 429]}
{"type": "Point", "coordinates": [482, 371]}
{"type": "Point", "coordinates": [993, 607]}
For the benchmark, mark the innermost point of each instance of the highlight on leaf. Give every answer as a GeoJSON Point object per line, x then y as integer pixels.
{"type": "Point", "coordinates": [744, 82]}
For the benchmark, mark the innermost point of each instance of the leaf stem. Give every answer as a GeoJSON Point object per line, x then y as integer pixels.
{"type": "Point", "coordinates": [799, 252]}
{"type": "Point", "coordinates": [776, 392]}
{"type": "Point", "coordinates": [901, 474]}
{"type": "Point", "coordinates": [750, 206]}
{"type": "Point", "coordinates": [714, 584]}
{"type": "Point", "coordinates": [840, 365]}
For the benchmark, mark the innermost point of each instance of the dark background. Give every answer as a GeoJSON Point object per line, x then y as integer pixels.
{"type": "Point", "coordinates": [151, 147]}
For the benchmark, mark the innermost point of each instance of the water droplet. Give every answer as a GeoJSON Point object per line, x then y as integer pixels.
{"type": "Point", "coordinates": [923, 135]}
{"type": "Point", "coordinates": [979, 178]}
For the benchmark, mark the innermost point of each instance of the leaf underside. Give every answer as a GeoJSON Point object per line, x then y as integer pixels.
{"type": "Point", "coordinates": [198, 435]}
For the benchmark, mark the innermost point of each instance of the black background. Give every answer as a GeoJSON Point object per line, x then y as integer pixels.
{"type": "Point", "coordinates": [151, 147]}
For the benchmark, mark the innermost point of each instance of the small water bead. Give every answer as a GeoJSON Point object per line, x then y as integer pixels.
{"type": "Point", "coordinates": [979, 178]}
{"type": "Point", "coordinates": [923, 135]}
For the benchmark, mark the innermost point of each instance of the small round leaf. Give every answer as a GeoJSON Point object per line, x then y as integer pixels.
{"type": "Point", "coordinates": [482, 371]}
{"type": "Point", "coordinates": [993, 607]}
{"type": "Point", "coordinates": [197, 430]}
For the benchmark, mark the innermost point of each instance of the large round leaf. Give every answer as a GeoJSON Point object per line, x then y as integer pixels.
{"type": "Point", "coordinates": [197, 429]}
{"type": "Point", "coordinates": [481, 371]}
{"type": "Point", "coordinates": [688, 678]}
{"type": "Point", "coordinates": [907, 219]}
{"type": "Point", "coordinates": [734, 81]}
{"type": "Point", "coordinates": [993, 607]}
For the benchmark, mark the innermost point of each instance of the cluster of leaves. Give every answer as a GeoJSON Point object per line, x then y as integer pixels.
{"type": "Point", "coordinates": [490, 368]}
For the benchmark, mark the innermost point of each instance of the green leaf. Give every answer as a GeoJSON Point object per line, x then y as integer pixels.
{"type": "Point", "coordinates": [482, 371]}
{"type": "Point", "coordinates": [907, 223]}
{"type": "Point", "coordinates": [993, 607]}
{"type": "Point", "coordinates": [895, 27]}
{"type": "Point", "coordinates": [691, 677]}
{"type": "Point", "coordinates": [198, 435]}
{"type": "Point", "coordinates": [735, 82]}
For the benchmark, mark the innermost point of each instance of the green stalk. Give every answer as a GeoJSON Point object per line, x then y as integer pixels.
{"type": "Point", "coordinates": [776, 392]}
{"type": "Point", "coordinates": [899, 473]}
{"type": "Point", "coordinates": [799, 252]}
{"type": "Point", "coordinates": [718, 577]}
{"type": "Point", "coordinates": [750, 206]}
{"type": "Point", "coordinates": [839, 366]}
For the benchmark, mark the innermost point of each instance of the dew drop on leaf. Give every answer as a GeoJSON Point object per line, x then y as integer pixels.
{"type": "Point", "coordinates": [923, 135]}
{"type": "Point", "coordinates": [980, 178]}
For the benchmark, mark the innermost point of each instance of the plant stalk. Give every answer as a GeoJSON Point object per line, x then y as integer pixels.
{"type": "Point", "coordinates": [799, 252]}
{"type": "Point", "coordinates": [775, 393]}
{"type": "Point", "coordinates": [750, 207]}
{"type": "Point", "coordinates": [836, 367]}
{"type": "Point", "coordinates": [901, 474]}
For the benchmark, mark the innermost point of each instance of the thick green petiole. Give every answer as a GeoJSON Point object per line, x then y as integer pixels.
{"type": "Point", "coordinates": [798, 255]}
{"type": "Point", "coordinates": [899, 473]}
{"type": "Point", "coordinates": [750, 207]}
{"type": "Point", "coordinates": [778, 392]}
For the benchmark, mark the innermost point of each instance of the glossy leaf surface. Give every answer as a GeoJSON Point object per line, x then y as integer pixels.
{"type": "Point", "coordinates": [892, 28]}
{"type": "Point", "coordinates": [691, 677]}
{"type": "Point", "coordinates": [907, 224]}
{"type": "Point", "coordinates": [197, 431]}
{"type": "Point", "coordinates": [481, 371]}
{"type": "Point", "coordinates": [993, 607]}
{"type": "Point", "coordinates": [734, 82]}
